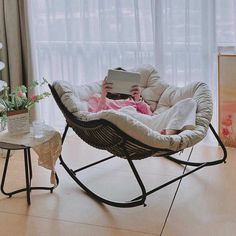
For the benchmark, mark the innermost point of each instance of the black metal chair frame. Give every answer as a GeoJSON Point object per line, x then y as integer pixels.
{"type": "Point", "coordinates": [105, 135]}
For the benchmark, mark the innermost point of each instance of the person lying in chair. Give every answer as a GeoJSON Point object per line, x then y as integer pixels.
{"type": "Point", "coordinates": [107, 100]}
{"type": "Point", "coordinates": [182, 113]}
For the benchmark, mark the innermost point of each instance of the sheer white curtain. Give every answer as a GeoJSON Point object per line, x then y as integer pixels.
{"type": "Point", "coordinates": [78, 40]}
{"type": "Point", "coordinates": [185, 47]}
{"type": "Point", "coordinates": [185, 39]}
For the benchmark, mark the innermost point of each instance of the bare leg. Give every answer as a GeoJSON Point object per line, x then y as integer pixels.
{"type": "Point", "coordinates": [169, 131]}
{"type": "Point", "coordinates": [163, 131]}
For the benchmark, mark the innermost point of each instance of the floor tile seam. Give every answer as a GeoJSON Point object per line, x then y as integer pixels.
{"type": "Point", "coordinates": [171, 204]}
{"type": "Point", "coordinates": [76, 222]}
{"type": "Point", "coordinates": [175, 194]}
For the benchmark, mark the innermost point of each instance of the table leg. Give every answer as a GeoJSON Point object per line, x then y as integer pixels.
{"type": "Point", "coordinates": [5, 172]}
{"type": "Point", "coordinates": [30, 165]}
{"type": "Point", "coordinates": [27, 181]}
{"type": "Point", "coordinates": [28, 176]}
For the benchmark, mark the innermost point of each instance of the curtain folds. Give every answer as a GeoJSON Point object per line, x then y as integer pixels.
{"type": "Point", "coordinates": [79, 40]}
{"type": "Point", "coordinates": [14, 35]}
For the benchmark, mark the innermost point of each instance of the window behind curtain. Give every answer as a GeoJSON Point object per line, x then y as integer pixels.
{"type": "Point", "coordinates": [78, 40]}
{"type": "Point", "coordinates": [226, 23]}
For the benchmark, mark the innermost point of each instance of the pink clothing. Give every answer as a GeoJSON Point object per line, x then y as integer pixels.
{"type": "Point", "coordinates": [95, 104]}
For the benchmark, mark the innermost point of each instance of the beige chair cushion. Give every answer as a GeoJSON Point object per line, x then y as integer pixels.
{"type": "Point", "coordinates": [159, 95]}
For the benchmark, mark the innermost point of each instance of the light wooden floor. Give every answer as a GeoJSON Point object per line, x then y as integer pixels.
{"type": "Point", "coordinates": [205, 203]}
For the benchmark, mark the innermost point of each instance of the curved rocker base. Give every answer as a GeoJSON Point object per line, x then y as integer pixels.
{"type": "Point", "coordinates": [105, 135]}
{"type": "Point", "coordinates": [140, 200]}
{"type": "Point", "coordinates": [132, 203]}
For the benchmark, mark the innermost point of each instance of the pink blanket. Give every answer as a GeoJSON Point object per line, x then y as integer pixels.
{"type": "Point", "coordinates": [95, 104]}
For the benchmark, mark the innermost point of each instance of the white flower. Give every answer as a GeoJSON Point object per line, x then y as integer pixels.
{"type": "Point", "coordinates": [2, 108]}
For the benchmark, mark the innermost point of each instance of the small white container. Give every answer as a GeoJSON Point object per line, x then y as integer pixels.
{"type": "Point", "coordinates": [18, 122]}
{"type": "Point", "coordinates": [38, 128]}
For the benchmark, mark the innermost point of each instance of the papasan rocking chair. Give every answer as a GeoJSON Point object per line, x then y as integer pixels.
{"type": "Point", "coordinates": [125, 137]}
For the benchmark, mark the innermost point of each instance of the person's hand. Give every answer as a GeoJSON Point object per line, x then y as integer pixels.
{"type": "Point", "coordinates": [106, 87]}
{"type": "Point", "coordinates": [136, 93]}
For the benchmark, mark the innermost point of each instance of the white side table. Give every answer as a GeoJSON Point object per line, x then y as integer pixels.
{"type": "Point", "coordinates": [25, 142]}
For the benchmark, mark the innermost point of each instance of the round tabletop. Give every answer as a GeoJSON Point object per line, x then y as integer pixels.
{"type": "Point", "coordinates": [48, 148]}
